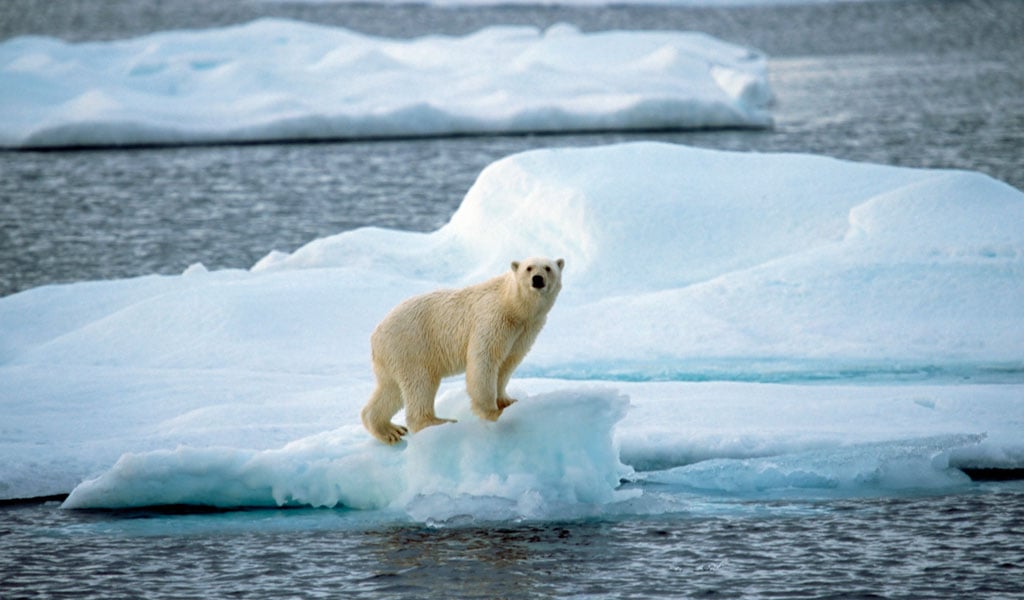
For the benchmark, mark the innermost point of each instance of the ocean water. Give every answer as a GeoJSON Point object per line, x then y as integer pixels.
{"type": "Point", "coordinates": [915, 83]}
{"type": "Point", "coordinates": [964, 545]}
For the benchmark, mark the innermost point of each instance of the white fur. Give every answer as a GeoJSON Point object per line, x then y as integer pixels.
{"type": "Point", "coordinates": [484, 330]}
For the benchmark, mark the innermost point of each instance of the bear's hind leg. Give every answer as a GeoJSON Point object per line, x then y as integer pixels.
{"type": "Point", "coordinates": [385, 401]}
{"type": "Point", "coordinates": [419, 393]}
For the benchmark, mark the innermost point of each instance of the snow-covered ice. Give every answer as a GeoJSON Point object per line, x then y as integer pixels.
{"type": "Point", "coordinates": [275, 79]}
{"type": "Point", "coordinates": [730, 323]}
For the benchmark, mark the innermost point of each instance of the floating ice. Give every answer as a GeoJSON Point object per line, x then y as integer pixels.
{"type": "Point", "coordinates": [917, 464]}
{"type": "Point", "coordinates": [274, 79]}
{"type": "Point", "coordinates": [712, 287]}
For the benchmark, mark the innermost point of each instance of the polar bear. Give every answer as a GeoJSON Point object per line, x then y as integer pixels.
{"type": "Point", "coordinates": [484, 330]}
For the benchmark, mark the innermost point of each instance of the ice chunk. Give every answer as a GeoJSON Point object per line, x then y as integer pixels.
{"type": "Point", "coordinates": [549, 454]}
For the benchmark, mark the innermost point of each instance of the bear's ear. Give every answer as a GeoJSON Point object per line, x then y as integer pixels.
{"type": "Point", "coordinates": [515, 266]}
{"type": "Point", "coordinates": [561, 263]}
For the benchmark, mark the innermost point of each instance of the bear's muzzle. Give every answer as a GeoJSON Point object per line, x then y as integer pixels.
{"type": "Point", "coordinates": [538, 282]}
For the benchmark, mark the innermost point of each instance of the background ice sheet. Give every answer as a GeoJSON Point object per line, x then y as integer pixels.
{"type": "Point", "coordinates": [274, 79]}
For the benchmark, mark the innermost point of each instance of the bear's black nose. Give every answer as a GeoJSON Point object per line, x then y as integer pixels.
{"type": "Point", "coordinates": [538, 282]}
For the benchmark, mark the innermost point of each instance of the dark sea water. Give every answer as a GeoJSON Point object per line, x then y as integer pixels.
{"type": "Point", "coordinates": [965, 545]}
{"type": "Point", "coordinates": [928, 83]}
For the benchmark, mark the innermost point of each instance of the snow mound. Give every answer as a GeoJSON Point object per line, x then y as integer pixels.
{"type": "Point", "coordinates": [273, 80]}
{"type": "Point", "coordinates": [691, 259]}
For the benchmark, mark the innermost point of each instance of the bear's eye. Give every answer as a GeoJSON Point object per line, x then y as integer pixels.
{"type": "Point", "coordinates": [528, 269]}
{"type": "Point", "coordinates": [548, 269]}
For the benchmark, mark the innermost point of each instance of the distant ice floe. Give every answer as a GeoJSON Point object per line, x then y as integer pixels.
{"type": "Point", "coordinates": [730, 324]}
{"type": "Point", "coordinates": [274, 80]}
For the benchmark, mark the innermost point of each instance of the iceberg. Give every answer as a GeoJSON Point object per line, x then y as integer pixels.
{"type": "Point", "coordinates": [730, 323]}
{"type": "Point", "coordinates": [280, 80]}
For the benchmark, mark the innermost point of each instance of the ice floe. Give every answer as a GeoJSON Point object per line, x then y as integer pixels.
{"type": "Point", "coordinates": [730, 323]}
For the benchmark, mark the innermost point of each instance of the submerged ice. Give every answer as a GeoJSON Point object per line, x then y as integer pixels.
{"type": "Point", "coordinates": [709, 288]}
{"type": "Point", "coordinates": [274, 79]}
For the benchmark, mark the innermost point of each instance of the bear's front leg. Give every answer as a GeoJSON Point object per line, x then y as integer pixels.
{"type": "Point", "coordinates": [492, 413]}
{"type": "Point", "coordinates": [515, 356]}
{"type": "Point", "coordinates": [489, 363]}
{"type": "Point", "coordinates": [503, 400]}
{"type": "Point", "coordinates": [492, 409]}
{"type": "Point", "coordinates": [482, 384]}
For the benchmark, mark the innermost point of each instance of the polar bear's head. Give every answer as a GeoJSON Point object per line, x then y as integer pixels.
{"type": "Point", "coordinates": [539, 275]}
